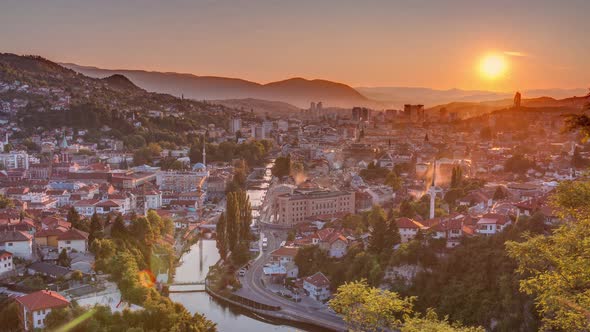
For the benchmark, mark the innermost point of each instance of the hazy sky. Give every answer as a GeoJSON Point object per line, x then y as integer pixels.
{"type": "Point", "coordinates": [434, 43]}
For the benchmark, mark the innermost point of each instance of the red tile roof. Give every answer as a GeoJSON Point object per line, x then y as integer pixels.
{"type": "Point", "coordinates": [73, 234]}
{"type": "Point", "coordinates": [48, 232]}
{"type": "Point", "coordinates": [87, 202]}
{"type": "Point", "coordinates": [493, 218]}
{"type": "Point", "coordinates": [318, 280]}
{"type": "Point", "coordinates": [407, 223]}
{"type": "Point", "coordinates": [285, 251]}
{"type": "Point", "coordinates": [15, 236]}
{"type": "Point", "coordinates": [5, 254]}
{"type": "Point", "coordinates": [43, 300]}
{"type": "Point", "coordinates": [108, 203]}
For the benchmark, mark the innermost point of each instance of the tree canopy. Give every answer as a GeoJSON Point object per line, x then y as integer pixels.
{"type": "Point", "coordinates": [556, 268]}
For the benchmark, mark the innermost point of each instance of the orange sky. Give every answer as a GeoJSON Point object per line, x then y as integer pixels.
{"type": "Point", "coordinates": [435, 44]}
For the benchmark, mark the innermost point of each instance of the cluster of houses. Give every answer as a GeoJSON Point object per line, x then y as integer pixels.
{"type": "Point", "coordinates": [335, 240]}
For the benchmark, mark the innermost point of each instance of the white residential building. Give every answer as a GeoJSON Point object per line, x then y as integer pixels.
{"type": "Point", "coordinates": [73, 239]}
{"type": "Point", "coordinates": [317, 286]}
{"type": "Point", "coordinates": [14, 159]}
{"type": "Point", "coordinates": [492, 223]}
{"type": "Point", "coordinates": [19, 243]}
{"type": "Point", "coordinates": [86, 207]}
{"type": "Point", "coordinates": [34, 308]}
{"type": "Point", "coordinates": [6, 264]}
{"type": "Point", "coordinates": [153, 199]}
{"type": "Point", "coordinates": [408, 228]}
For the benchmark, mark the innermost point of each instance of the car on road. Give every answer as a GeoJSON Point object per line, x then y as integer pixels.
{"type": "Point", "coordinates": [242, 272]}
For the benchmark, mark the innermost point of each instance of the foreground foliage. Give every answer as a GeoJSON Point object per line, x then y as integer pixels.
{"type": "Point", "coordinates": [163, 316]}
{"type": "Point", "coordinates": [132, 257]}
{"type": "Point", "coordinates": [366, 308]}
{"type": "Point", "coordinates": [556, 268]}
{"type": "Point", "coordinates": [557, 273]}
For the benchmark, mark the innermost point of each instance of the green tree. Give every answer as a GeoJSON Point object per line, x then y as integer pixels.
{"type": "Point", "coordinates": [156, 223]}
{"type": "Point", "coordinates": [75, 220]}
{"type": "Point", "coordinates": [393, 181]}
{"type": "Point", "coordinates": [556, 271]}
{"type": "Point", "coordinates": [311, 259]}
{"type": "Point", "coordinates": [577, 160]}
{"type": "Point", "coordinates": [291, 235]}
{"type": "Point", "coordinates": [453, 195]}
{"type": "Point", "coordinates": [221, 236]}
{"type": "Point", "coordinates": [282, 166]}
{"type": "Point", "coordinates": [119, 230]}
{"type": "Point", "coordinates": [233, 227]}
{"type": "Point", "coordinates": [143, 231]}
{"type": "Point", "coordinates": [6, 203]}
{"type": "Point", "coordinates": [393, 237]}
{"type": "Point", "coordinates": [456, 177]}
{"type": "Point", "coordinates": [431, 323]}
{"type": "Point", "coordinates": [406, 209]}
{"type": "Point", "coordinates": [378, 240]}
{"type": "Point", "coordinates": [104, 250]}
{"type": "Point", "coordinates": [499, 194]}
{"type": "Point", "coordinates": [63, 258]}
{"type": "Point", "coordinates": [571, 199]}
{"type": "Point", "coordinates": [8, 317]}
{"type": "Point", "coordinates": [365, 308]}
{"type": "Point", "coordinates": [96, 228]}
{"type": "Point", "coordinates": [168, 226]}
{"type": "Point", "coordinates": [77, 275]}
{"type": "Point", "coordinates": [518, 164]}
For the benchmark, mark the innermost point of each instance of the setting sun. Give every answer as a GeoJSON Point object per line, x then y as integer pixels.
{"type": "Point", "coordinates": [493, 66]}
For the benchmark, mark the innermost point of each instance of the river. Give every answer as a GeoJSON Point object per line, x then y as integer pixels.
{"type": "Point", "coordinates": [193, 267]}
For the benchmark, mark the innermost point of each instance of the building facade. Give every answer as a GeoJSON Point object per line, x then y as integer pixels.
{"type": "Point", "coordinates": [294, 208]}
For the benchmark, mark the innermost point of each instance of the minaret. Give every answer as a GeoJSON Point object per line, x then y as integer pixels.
{"type": "Point", "coordinates": [204, 155]}
{"type": "Point", "coordinates": [432, 191]}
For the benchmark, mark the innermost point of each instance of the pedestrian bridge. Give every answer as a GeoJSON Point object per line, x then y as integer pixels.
{"type": "Point", "coordinates": [187, 287]}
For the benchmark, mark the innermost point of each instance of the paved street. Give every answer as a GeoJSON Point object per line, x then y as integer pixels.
{"type": "Point", "coordinates": [253, 288]}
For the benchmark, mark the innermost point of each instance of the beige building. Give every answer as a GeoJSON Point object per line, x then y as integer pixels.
{"type": "Point", "coordinates": [179, 181]}
{"type": "Point", "coordinates": [291, 209]}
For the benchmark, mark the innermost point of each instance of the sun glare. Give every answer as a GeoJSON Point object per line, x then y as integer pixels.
{"type": "Point", "coordinates": [492, 66]}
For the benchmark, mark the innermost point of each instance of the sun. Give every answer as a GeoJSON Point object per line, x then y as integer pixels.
{"type": "Point", "coordinates": [493, 66]}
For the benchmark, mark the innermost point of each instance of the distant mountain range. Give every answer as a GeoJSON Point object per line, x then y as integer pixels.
{"type": "Point", "coordinates": [296, 91]}
{"type": "Point", "coordinates": [472, 109]}
{"type": "Point", "coordinates": [300, 92]}
{"type": "Point", "coordinates": [397, 96]}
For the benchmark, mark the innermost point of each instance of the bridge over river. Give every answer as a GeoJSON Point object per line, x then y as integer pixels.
{"type": "Point", "coordinates": [187, 287]}
{"type": "Point", "coordinates": [199, 262]}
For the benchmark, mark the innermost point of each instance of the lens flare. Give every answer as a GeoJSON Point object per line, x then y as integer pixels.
{"type": "Point", "coordinates": [147, 278]}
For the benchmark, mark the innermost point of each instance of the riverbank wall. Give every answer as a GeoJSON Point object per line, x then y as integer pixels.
{"type": "Point", "coordinates": [273, 314]}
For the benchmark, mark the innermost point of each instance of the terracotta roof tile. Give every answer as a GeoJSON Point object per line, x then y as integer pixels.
{"type": "Point", "coordinates": [43, 300]}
